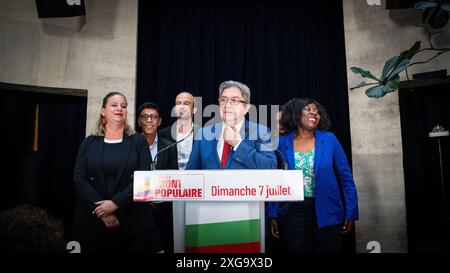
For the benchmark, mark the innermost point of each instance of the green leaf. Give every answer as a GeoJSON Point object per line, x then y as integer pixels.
{"type": "Point", "coordinates": [364, 73]}
{"type": "Point", "coordinates": [361, 84]}
{"type": "Point", "coordinates": [381, 90]}
{"type": "Point", "coordinates": [376, 91]}
{"type": "Point", "coordinates": [446, 7]}
{"type": "Point", "coordinates": [388, 66]}
{"type": "Point", "coordinates": [425, 5]}
{"type": "Point", "coordinates": [401, 66]}
{"type": "Point", "coordinates": [438, 18]}
{"type": "Point", "coordinates": [392, 85]}
{"type": "Point", "coordinates": [408, 54]}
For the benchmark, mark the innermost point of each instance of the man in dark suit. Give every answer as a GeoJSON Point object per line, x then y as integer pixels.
{"type": "Point", "coordinates": [149, 120]}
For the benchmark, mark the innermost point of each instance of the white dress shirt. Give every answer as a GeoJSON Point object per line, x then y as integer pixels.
{"type": "Point", "coordinates": [154, 149]}
{"type": "Point", "coordinates": [184, 149]}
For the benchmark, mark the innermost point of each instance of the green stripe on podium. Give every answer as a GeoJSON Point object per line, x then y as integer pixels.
{"type": "Point", "coordinates": [223, 233]}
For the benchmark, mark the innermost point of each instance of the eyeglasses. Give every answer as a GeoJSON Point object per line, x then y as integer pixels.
{"type": "Point", "coordinates": [151, 116]}
{"type": "Point", "coordinates": [233, 101]}
{"type": "Point", "coordinates": [311, 110]}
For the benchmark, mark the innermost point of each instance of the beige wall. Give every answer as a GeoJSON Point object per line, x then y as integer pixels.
{"type": "Point", "coordinates": [96, 52]}
{"type": "Point", "coordinates": [373, 35]}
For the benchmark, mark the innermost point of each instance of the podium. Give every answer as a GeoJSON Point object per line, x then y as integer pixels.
{"type": "Point", "coordinates": [218, 211]}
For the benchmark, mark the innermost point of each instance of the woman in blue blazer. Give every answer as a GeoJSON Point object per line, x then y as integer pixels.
{"type": "Point", "coordinates": [331, 203]}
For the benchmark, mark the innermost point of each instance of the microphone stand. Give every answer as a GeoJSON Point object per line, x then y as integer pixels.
{"type": "Point", "coordinates": [153, 165]}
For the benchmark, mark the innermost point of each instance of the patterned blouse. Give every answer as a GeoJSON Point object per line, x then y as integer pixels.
{"type": "Point", "coordinates": [305, 162]}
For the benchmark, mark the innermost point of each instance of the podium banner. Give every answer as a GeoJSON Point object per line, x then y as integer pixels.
{"type": "Point", "coordinates": [230, 216]}
{"type": "Point", "coordinates": [218, 185]}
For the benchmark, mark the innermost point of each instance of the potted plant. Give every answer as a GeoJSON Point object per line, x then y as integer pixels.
{"type": "Point", "coordinates": [435, 16]}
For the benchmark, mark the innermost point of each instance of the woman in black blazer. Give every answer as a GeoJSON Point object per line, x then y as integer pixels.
{"type": "Point", "coordinates": [106, 219]}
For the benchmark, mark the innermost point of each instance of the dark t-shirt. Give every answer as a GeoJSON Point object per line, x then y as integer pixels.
{"type": "Point", "coordinates": [112, 159]}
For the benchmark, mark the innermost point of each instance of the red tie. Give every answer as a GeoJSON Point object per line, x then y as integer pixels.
{"type": "Point", "coordinates": [225, 152]}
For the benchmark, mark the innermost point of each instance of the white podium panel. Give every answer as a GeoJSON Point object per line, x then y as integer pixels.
{"type": "Point", "coordinates": [218, 211]}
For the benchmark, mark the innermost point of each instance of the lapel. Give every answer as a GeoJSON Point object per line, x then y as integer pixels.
{"type": "Point", "coordinates": [194, 133]}
{"type": "Point", "coordinates": [162, 157]}
{"type": "Point", "coordinates": [290, 151]}
{"type": "Point", "coordinates": [126, 152]}
{"type": "Point", "coordinates": [244, 132]}
{"type": "Point", "coordinates": [318, 152]}
{"type": "Point", "coordinates": [216, 130]}
{"type": "Point", "coordinates": [97, 150]}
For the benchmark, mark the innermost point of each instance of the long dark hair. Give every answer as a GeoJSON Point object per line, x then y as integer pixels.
{"type": "Point", "coordinates": [291, 115]}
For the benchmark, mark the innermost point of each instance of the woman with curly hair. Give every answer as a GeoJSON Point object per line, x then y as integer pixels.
{"type": "Point", "coordinates": [330, 206]}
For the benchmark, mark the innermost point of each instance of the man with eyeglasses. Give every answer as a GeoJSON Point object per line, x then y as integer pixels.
{"type": "Point", "coordinates": [149, 120]}
{"type": "Point", "coordinates": [234, 143]}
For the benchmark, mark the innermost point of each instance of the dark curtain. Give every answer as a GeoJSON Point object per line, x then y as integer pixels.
{"type": "Point", "coordinates": [427, 221]}
{"type": "Point", "coordinates": [41, 177]}
{"type": "Point", "coordinates": [280, 49]}
{"type": "Point", "coordinates": [62, 123]}
{"type": "Point", "coordinates": [19, 164]}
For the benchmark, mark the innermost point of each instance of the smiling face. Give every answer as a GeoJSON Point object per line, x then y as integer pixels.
{"type": "Point", "coordinates": [149, 121]}
{"type": "Point", "coordinates": [184, 105]}
{"type": "Point", "coordinates": [310, 117]}
{"type": "Point", "coordinates": [115, 110]}
{"type": "Point", "coordinates": [233, 114]}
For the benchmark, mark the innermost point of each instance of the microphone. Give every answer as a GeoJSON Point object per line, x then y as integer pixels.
{"type": "Point", "coordinates": [153, 165]}
{"type": "Point", "coordinates": [284, 165]}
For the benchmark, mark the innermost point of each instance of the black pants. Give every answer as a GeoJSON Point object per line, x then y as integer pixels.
{"type": "Point", "coordinates": [299, 232]}
{"type": "Point", "coordinates": [164, 224]}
